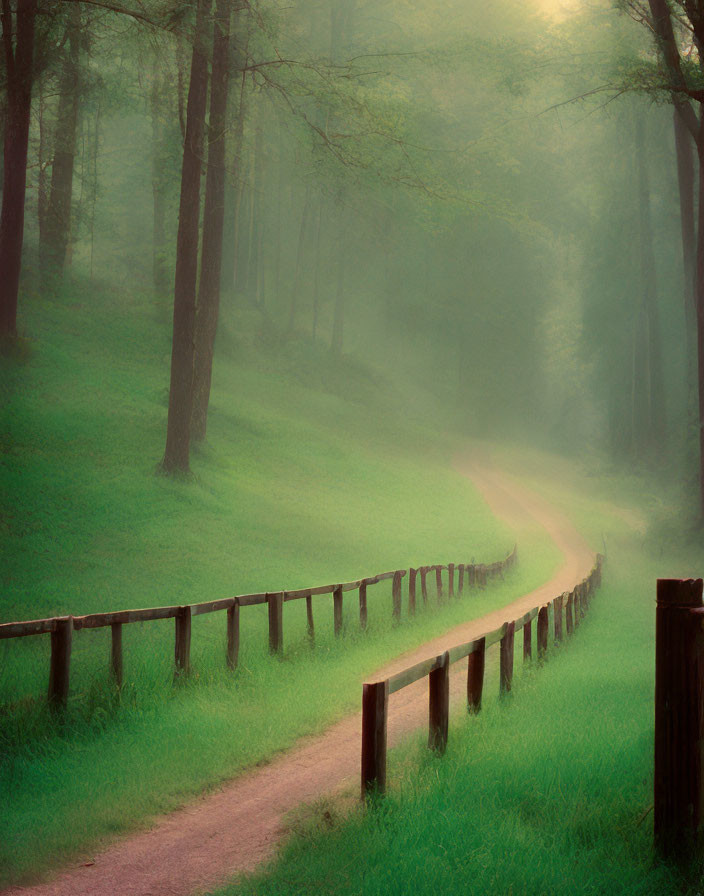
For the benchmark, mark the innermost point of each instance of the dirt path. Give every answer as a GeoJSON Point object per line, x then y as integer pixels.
{"type": "Point", "coordinates": [235, 829]}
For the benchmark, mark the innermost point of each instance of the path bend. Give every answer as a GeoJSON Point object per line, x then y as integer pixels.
{"type": "Point", "coordinates": [239, 826]}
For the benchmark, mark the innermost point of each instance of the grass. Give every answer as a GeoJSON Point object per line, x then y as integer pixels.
{"type": "Point", "coordinates": [312, 473]}
{"type": "Point", "coordinates": [549, 791]}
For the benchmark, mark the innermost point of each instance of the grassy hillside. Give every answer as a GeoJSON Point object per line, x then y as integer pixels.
{"type": "Point", "coordinates": [313, 472]}
{"type": "Point", "coordinates": [549, 791]}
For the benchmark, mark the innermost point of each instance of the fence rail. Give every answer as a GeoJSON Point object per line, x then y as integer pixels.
{"type": "Point", "coordinates": [61, 628]}
{"type": "Point", "coordinates": [375, 694]}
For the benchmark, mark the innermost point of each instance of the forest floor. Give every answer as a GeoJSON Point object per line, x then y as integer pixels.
{"type": "Point", "coordinates": [236, 828]}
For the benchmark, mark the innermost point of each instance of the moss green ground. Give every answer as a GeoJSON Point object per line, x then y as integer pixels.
{"type": "Point", "coordinates": [312, 473]}
{"type": "Point", "coordinates": [548, 792]}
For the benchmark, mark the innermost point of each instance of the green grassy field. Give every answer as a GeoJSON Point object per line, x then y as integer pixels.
{"type": "Point", "coordinates": [547, 792]}
{"type": "Point", "coordinates": [311, 474]}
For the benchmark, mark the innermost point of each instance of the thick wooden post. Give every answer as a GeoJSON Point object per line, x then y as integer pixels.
{"type": "Point", "coordinates": [412, 591]}
{"type": "Point", "coordinates": [575, 606]}
{"type": "Point", "coordinates": [557, 605]}
{"type": "Point", "coordinates": [475, 677]}
{"type": "Point", "coordinates": [471, 575]}
{"type": "Point", "coordinates": [439, 704]}
{"type": "Point", "coordinates": [363, 605]}
{"type": "Point", "coordinates": [451, 579]}
{"type": "Point", "coordinates": [569, 620]}
{"type": "Point", "coordinates": [424, 583]}
{"type": "Point", "coordinates": [375, 708]}
{"type": "Point", "coordinates": [460, 579]}
{"type": "Point", "coordinates": [60, 664]}
{"type": "Point", "coordinates": [542, 631]}
{"type": "Point", "coordinates": [275, 602]}
{"type": "Point", "coordinates": [506, 661]}
{"type": "Point", "coordinates": [438, 582]}
{"type": "Point", "coordinates": [233, 634]}
{"type": "Point", "coordinates": [396, 596]}
{"type": "Point", "coordinates": [116, 653]}
{"type": "Point", "coordinates": [182, 648]}
{"type": "Point", "coordinates": [309, 619]}
{"type": "Point", "coordinates": [337, 610]}
{"type": "Point", "coordinates": [527, 641]}
{"type": "Point", "coordinates": [679, 718]}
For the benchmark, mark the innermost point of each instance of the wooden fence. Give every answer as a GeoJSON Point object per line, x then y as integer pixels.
{"type": "Point", "coordinates": [61, 628]}
{"type": "Point", "coordinates": [375, 694]}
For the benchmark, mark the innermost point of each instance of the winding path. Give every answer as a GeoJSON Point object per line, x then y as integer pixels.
{"type": "Point", "coordinates": [236, 828]}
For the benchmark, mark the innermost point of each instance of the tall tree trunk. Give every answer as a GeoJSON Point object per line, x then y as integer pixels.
{"type": "Point", "coordinates": [654, 382]}
{"type": "Point", "coordinates": [295, 287]}
{"type": "Point", "coordinates": [213, 218]}
{"type": "Point", "coordinates": [700, 321]}
{"type": "Point", "coordinates": [159, 182]}
{"type": "Point", "coordinates": [57, 227]}
{"type": "Point", "coordinates": [178, 433]}
{"type": "Point", "coordinates": [19, 71]}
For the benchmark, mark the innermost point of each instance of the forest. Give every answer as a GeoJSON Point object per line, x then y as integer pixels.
{"type": "Point", "coordinates": [406, 297]}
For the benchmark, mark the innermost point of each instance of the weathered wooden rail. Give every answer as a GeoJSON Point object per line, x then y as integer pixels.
{"type": "Point", "coordinates": [61, 628]}
{"type": "Point", "coordinates": [375, 694]}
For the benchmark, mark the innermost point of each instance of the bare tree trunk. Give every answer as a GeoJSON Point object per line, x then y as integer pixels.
{"type": "Point", "coordinates": [302, 232]}
{"type": "Point", "coordinates": [57, 226]}
{"type": "Point", "coordinates": [700, 322]}
{"type": "Point", "coordinates": [19, 74]}
{"type": "Point", "coordinates": [213, 218]}
{"type": "Point", "coordinates": [42, 184]}
{"type": "Point", "coordinates": [178, 433]}
{"type": "Point", "coordinates": [159, 182]}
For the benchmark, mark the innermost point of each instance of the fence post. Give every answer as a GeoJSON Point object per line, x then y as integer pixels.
{"type": "Point", "coordinates": [337, 610]}
{"type": "Point", "coordinates": [438, 582]}
{"type": "Point", "coordinates": [568, 614]}
{"type": "Point", "coordinates": [679, 718]}
{"type": "Point", "coordinates": [60, 665]}
{"type": "Point", "coordinates": [309, 619]}
{"type": "Point", "coordinates": [506, 660]}
{"type": "Point", "coordinates": [424, 583]}
{"type": "Point", "coordinates": [116, 652]}
{"type": "Point", "coordinates": [460, 579]}
{"type": "Point", "coordinates": [451, 579]}
{"type": "Point", "coordinates": [527, 641]}
{"type": "Point", "coordinates": [412, 591]}
{"type": "Point", "coordinates": [182, 647]}
{"type": "Point", "coordinates": [396, 596]}
{"type": "Point", "coordinates": [475, 676]}
{"type": "Point", "coordinates": [471, 575]}
{"type": "Point", "coordinates": [275, 603]}
{"type": "Point", "coordinates": [233, 634]}
{"type": "Point", "coordinates": [557, 617]}
{"type": "Point", "coordinates": [542, 631]}
{"type": "Point", "coordinates": [375, 706]}
{"type": "Point", "coordinates": [363, 605]}
{"type": "Point", "coordinates": [439, 704]}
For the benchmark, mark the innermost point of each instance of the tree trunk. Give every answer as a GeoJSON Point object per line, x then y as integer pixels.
{"type": "Point", "coordinates": [295, 288]}
{"type": "Point", "coordinates": [700, 323]}
{"type": "Point", "coordinates": [57, 226]}
{"type": "Point", "coordinates": [19, 72]}
{"type": "Point", "coordinates": [178, 434]}
{"type": "Point", "coordinates": [159, 183]}
{"type": "Point", "coordinates": [213, 218]}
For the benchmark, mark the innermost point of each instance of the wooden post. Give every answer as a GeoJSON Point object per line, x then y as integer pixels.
{"type": "Point", "coordinates": [60, 665]}
{"type": "Point", "coordinates": [527, 641]}
{"type": "Point", "coordinates": [451, 579]}
{"type": "Point", "coordinates": [439, 704]}
{"type": "Point", "coordinates": [542, 631]}
{"type": "Point", "coordinates": [471, 575]}
{"type": "Point", "coordinates": [396, 596]}
{"type": "Point", "coordinates": [460, 579]}
{"type": "Point", "coordinates": [275, 602]}
{"type": "Point", "coordinates": [506, 661]}
{"type": "Point", "coordinates": [363, 605]}
{"type": "Point", "coordinates": [424, 583]}
{"type": "Point", "coordinates": [475, 677]}
{"type": "Point", "coordinates": [233, 634]}
{"type": "Point", "coordinates": [375, 708]}
{"type": "Point", "coordinates": [337, 610]}
{"type": "Point", "coordinates": [309, 619]}
{"type": "Point", "coordinates": [438, 582]}
{"type": "Point", "coordinates": [568, 615]}
{"type": "Point", "coordinates": [679, 718]}
{"type": "Point", "coordinates": [182, 651]}
{"type": "Point", "coordinates": [412, 591]}
{"type": "Point", "coordinates": [116, 653]}
{"type": "Point", "coordinates": [557, 618]}
{"type": "Point", "coordinates": [575, 605]}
